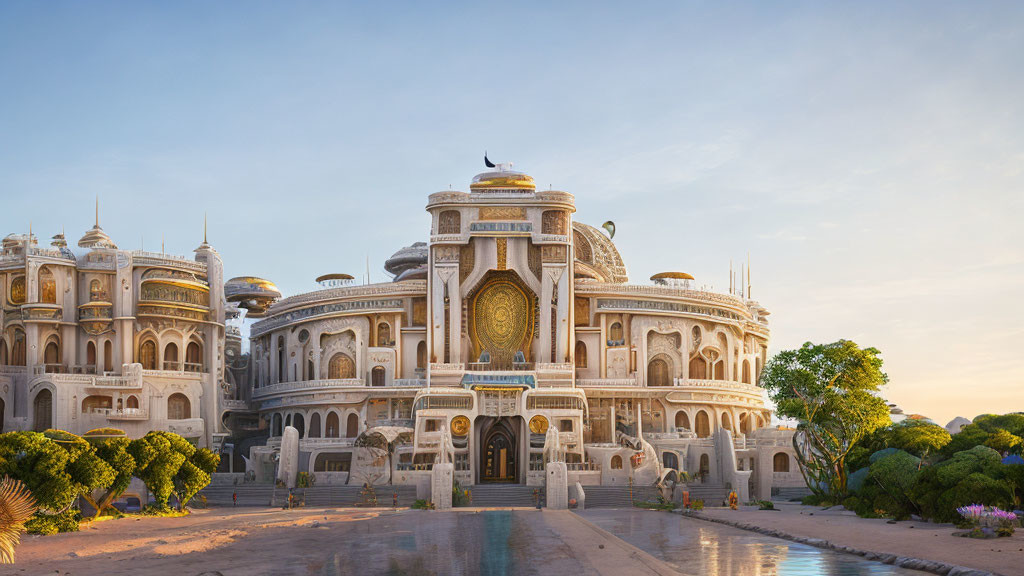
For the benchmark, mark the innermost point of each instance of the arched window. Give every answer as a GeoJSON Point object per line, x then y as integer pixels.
{"type": "Point", "coordinates": [300, 425]}
{"type": "Point", "coordinates": [18, 290]}
{"type": "Point", "coordinates": [670, 460]}
{"type": "Point", "coordinates": [90, 354]}
{"type": "Point", "coordinates": [51, 355]}
{"type": "Point", "coordinates": [352, 427]}
{"type": "Point", "coordinates": [18, 348]}
{"type": "Point", "coordinates": [282, 372]}
{"type": "Point", "coordinates": [581, 354]}
{"type": "Point", "coordinates": [384, 334]}
{"type": "Point", "coordinates": [658, 373]}
{"type": "Point", "coordinates": [47, 287]}
{"type": "Point", "coordinates": [421, 355]}
{"type": "Point", "coordinates": [314, 425]}
{"type": "Point", "coordinates": [96, 402]}
{"type": "Point", "coordinates": [719, 370]}
{"type": "Point", "coordinates": [333, 428]}
{"type": "Point", "coordinates": [615, 337]}
{"type": "Point", "coordinates": [616, 462]}
{"type": "Point", "coordinates": [171, 356]}
{"type": "Point", "coordinates": [133, 402]}
{"type": "Point", "coordinates": [703, 425]}
{"type": "Point", "coordinates": [310, 371]}
{"type": "Point", "coordinates": [726, 421]}
{"type": "Point", "coordinates": [745, 423]}
{"type": "Point", "coordinates": [377, 376]}
{"type": "Point", "coordinates": [449, 222]}
{"type": "Point", "coordinates": [147, 355]}
{"type": "Point", "coordinates": [341, 366]}
{"type": "Point", "coordinates": [108, 356]}
{"type": "Point", "coordinates": [698, 368]}
{"type": "Point", "coordinates": [194, 357]}
{"type": "Point", "coordinates": [42, 410]}
{"type": "Point", "coordinates": [746, 371]}
{"type": "Point", "coordinates": [553, 222]}
{"type": "Point", "coordinates": [682, 420]}
{"type": "Point", "coordinates": [780, 462]}
{"type": "Point", "coordinates": [95, 291]}
{"type": "Point", "coordinates": [275, 425]}
{"type": "Point", "coordinates": [3, 352]}
{"type": "Point", "coordinates": [178, 407]}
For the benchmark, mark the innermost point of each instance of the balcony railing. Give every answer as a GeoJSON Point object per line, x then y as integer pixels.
{"type": "Point", "coordinates": [308, 385]}
{"type": "Point", "coordinates": [121, 414]}
{"type": "Point", "coordinates": [608, 382]}
{"type": "Point", "coordinates": [500, 366]}
{"type": "Point", "coordinates": [409, 382]}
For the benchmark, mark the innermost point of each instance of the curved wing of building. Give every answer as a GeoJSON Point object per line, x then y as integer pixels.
{"type": "Point", "coordinates": [513, 320]}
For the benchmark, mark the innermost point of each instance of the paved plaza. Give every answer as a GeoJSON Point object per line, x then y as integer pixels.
{"type": "Point", "coordinates": [258, 541]}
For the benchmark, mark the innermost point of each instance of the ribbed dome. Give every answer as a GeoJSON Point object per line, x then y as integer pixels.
{"type": "Point", "coordinates": [407, 258]}
{"type": "Point", "coordinates": [95, 237]}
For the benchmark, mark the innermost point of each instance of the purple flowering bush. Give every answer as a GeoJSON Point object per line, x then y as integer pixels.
{"type": "Point", "coordinates": [981, 518]}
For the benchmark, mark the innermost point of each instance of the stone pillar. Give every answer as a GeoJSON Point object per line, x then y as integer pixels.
{"type": "Point", "coordinates": [441, 478]}
{"type": "Point", "coordinates": [557, 485]}
{"type": "Point", "coordinates": [562, 317]}
{"type": "Point", "coordinates": [742, 485]}
{"type": "Point", "coordinates": [544, 350]}
{"type": "Point", "coordinates": [454, 318]}
{"type": "Point", "coordinates": [288, 466]}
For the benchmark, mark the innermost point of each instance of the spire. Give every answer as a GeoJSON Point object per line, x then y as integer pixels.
{"type": "Point", "coordinates": [748, 276]}
{"type": "Point", "coordinates": [97, 210]}
{"type": "Point", "coordinates": [742, 280]}
{"type": "Point", "coordinates": [731, 276]}
{"type": "Point", "coordinates": [204, 227]}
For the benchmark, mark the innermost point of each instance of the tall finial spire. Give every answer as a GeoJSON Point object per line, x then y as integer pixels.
{"type": "Point", "coordinates": [204, 227]}
{"type": "Point", "coordinates": [748, 276]}
{"type": "Point", "coordinates": [730, 276]}
{"type": "Point", "coordinates": [163, 237]}
{"type": "Point", "coordinates": [743, 280]}
{"type": "Point", "coordinates": [97, 210]}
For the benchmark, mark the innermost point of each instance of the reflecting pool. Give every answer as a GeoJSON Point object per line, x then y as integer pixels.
{"type": "Point", "coordinates": [699, 547]}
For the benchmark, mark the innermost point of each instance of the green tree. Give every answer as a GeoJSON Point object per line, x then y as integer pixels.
{"type": "Point", "coordinates": [112, 446]}
{"type": "Point", "coordinates": [156, 463]}
{"type": "Point", "coordinates": [194, 473]}
{"type": "Point", "coordinates": [968, 477]}
{"type": "Point", "coordinates": [918, 437]}
{"type": "Point", "coordinates": [831, 390]}
{"type": "Point", "coordinates": [968, 437]}
{"type": "Point", "coordinates": [1002, 441]}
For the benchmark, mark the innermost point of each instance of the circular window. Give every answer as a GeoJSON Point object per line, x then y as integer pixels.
{"type": "Point", "coordinates": [460, 426]}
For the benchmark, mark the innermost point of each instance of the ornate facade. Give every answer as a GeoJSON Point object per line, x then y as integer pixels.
{"type": "Point", "coordinates": [102, 337]}
{"type": "Point", "coordinates": [513, 320]}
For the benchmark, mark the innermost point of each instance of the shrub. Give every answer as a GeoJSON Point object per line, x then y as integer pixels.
{"type": "Point", "coordinates": [422, 505]}
{"type": "Point", "coordinates": [697, 504]}
{"type": "Point", "coordinates": [66, 521]}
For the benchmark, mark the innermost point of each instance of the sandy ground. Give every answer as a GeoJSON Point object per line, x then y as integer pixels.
{"type": "Point", "coordinates": [256, 541]}
{"type": "Point", "coordinates": [916, 539]}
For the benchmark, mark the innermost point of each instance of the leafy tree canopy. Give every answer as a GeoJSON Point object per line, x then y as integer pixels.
{"type": "Point", "coordinates": [832, 391]}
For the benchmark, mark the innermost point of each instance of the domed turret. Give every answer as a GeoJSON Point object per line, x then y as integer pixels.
{"type": "Point", "coordinates": [501, 178]}
{"type": "Point", "coordinates": [251, 293]}
{"type": "Point", "coordinates": [409, 262]}
{"type": "Point", "coordinates": [95, 237]}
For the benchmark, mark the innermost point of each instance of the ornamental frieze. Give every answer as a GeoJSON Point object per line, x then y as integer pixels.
{"type": "Point", "coordinates": [622, 304]}
{"type": "Point", "coordinates": [386, 305]}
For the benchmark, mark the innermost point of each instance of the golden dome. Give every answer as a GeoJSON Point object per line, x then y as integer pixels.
{"type": "Point", "coordinates": [502, 180]}
{"type": "Point", "coordinates": [671, 276]}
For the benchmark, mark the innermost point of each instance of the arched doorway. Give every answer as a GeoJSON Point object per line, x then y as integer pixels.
{"type": "Point", "coordinates": [703, 425]}
{"type": "Point", "coordinates": [499, 450]}
{"type": "Point", "coordinates": [340, 367]}
{"type": "Point", "coordinates": [352, 426]}
{"type": "Point", "coordinates": [314, 425]}
{"type": "Point", "coordinates": [42, 411]}
{"type": "Point", "coordinates": [332, 428]}
{"type": "Point", "coordinates": [670, 460]}
{"type": "Point", "coordinates": [682, 420]}
{"type": "Point", "coordinates": [658, 373]}
{"type": "Point", "coordinates": [501, 319]}
{"type": "Point", "coordinates": [178, 407]}
{"type": "Point", "coordinates": [377, 376]}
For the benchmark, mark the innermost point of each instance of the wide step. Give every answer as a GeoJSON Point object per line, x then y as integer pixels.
{"type": "Point", "coordinates": [503, 495]}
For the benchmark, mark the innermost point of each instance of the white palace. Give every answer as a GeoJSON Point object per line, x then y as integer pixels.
{"type": "Point", "coordinates": [511, 321]}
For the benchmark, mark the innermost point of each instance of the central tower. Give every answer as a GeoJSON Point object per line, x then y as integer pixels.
{"type": "Point", "coordinates": [500, 282]}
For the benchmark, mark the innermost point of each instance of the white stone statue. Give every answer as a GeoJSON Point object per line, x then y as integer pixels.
{"type": "Point", "coordinates": [553, 446]}
{"type": "Point", "coordinates": [288, 467]}
{"type": "Point", "coordinates": [445, 448]}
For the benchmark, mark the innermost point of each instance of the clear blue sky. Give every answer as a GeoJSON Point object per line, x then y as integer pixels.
{"type": "Point", "coordinates": [870, 157]}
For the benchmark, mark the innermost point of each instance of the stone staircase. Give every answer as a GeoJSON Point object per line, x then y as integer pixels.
{"type": "Point", "coordinates": [617, 496]}
{"type": "Point", "coordinates": [790, 493]}
{"type": "Point", "coordinates": [248, 494]}
{"type": "Point", "coordinates": [711, 494]}
{"type": "Point", "coordinates": [503, 495]}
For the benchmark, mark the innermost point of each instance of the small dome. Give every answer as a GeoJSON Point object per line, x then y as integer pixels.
{"type": "Point", "coordinates": [502, 180]}
{"type": "Point", "coordinates": [251, 293]}
{"type": "Point", "coordinates": [95, 237]}
{"type": "Point", "coordinates": [406, 259]}
{"type": "Point", "coordinates": [595, 255]}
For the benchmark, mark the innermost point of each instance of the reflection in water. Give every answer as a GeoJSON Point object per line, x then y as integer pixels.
{"type": "Point", "coordinates": [698, 547]}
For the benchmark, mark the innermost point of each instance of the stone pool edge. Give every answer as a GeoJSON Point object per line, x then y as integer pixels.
{"type": "Point", "coordinates": [933, 566]}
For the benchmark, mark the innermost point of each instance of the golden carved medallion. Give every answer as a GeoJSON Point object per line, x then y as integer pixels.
{"type": "Point", "coordinates": [460, 426]}
{"type": "Point", "coordinates": [502, 213]}
{"type": "Point", "coordinates": [501, 320]}
{"type": "Point", "coordinates": [539, 424]}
